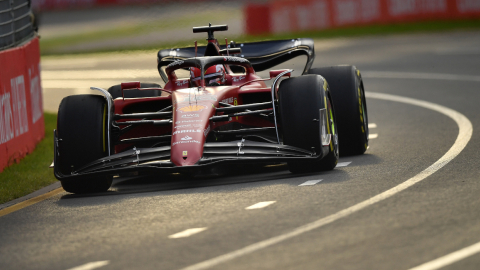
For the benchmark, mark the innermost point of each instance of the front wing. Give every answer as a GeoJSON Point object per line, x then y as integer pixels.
{"type": "Point", "coordinates": [150, 161]}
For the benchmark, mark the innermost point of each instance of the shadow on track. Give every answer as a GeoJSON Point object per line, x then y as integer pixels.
{"type": "Point", "coordinates": [228, 176]}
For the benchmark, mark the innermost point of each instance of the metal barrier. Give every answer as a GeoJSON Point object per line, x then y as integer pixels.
{"type": "Point", "coordinates": [16, 24]}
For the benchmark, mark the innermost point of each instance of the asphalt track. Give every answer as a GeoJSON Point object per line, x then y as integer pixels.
{"type": "Point", "coordinates": [411, 199]}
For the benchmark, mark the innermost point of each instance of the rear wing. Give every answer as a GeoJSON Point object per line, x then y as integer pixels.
{"type": "Point", "coordinates": [262, 55]}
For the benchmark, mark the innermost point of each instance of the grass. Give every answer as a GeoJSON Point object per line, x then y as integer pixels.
{"type": "Point", "coordinates": [51, 45]}
{"type": "Point", "coordinates": [32, 173]}
{"type": "Point", "coordinates": [48, 47]}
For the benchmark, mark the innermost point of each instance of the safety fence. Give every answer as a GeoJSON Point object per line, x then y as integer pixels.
{"type": "Point", "coordinates": [282, 16]}
{"type": "Point", "coordinates": [21, 110]}
{"type": "Point", "coordinates": [15, 23]}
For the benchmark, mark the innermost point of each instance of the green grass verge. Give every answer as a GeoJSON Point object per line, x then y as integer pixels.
{"type": "Point", "coordinates": [48, 47]}
{"type": "Point", "coordinates": [51, 45]}
{"type": "Point", "coordinates": [32, 173]}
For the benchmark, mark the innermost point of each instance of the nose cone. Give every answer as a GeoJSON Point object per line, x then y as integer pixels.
{"type": "Point", "coordinates": [191, 124]}
{"type": "Point", "coordinates": [187, 144]}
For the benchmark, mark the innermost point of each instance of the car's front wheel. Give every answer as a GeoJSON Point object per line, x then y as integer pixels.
{"type": "Point", "coordinates": [300, 101]}
{"type": "Point", "coordinates": [82, 138]}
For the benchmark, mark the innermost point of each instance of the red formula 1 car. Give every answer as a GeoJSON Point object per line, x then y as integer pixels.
{"type": "Point", "coordinates": [214, 110]}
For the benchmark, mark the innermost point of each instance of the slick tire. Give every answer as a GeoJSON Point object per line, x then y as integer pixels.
{"type": "Point", "coordinates": [348, 95]}
{"type": "Point", "coordinates": [81, 130]}
{"type": "Point", "coordinates": [116, 91]}
{"type": "Point", "coordinates": [300, 100]}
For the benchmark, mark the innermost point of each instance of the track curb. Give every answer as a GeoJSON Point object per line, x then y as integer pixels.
{"type": "Point", "coordinates": [37, 193]}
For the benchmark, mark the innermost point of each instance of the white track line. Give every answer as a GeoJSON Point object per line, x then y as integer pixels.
{"type": "Point", "coordinates": [260, 205]}
{"type": "Point", "coordinates": [187, 233]}
{"type": "Point", "coordinates": [450, 258]}
{"type": "Point", "coordinates": [464, 135]}
{"type": "Point", "coordinates": [91, 265]}
{"type": "Point", "coordinates": [343, 164]}
{"type": "Point", "coordinates": [416, 75]}
{"type": "Point", "coordinates": [372, 136]}
{"type": "Point", "coordinates": [372, 125]}
{"type": "Point", "coordinates": [311, 182]}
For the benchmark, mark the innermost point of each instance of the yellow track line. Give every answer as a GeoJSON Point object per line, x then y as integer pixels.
{"type": "Point", "coordinates": [29, 202]}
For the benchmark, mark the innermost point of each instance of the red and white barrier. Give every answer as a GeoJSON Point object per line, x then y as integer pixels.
{"type": "Point", "coordinates": [21, 110]}
{"type": "Point", "coordinates": [283, 16]}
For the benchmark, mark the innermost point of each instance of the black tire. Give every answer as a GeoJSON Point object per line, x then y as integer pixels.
{"type": "Point", "coordinates": [300, 100]}
{"type": "Point", "coordinates": [348, 96]}
{"type": "Point", "coordinates": [116, 91]}
{"type": "Point", "coordinates": [81, 129]}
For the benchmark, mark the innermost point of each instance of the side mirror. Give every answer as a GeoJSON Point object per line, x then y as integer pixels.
{"type": "Point", "coordinates": [275, 73]}
{"type": "Point", "coordinates": [130, 85]}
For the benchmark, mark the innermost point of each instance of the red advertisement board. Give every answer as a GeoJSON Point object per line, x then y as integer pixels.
{"type": "Point", "coordinates": [302, 15]}
{"type": "Point", "coordinates": [21, 109]}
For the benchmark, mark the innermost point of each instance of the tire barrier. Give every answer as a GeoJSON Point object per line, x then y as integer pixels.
{"type": "Point", "coordinates": [283, 16]}
{"type": "Point", "coordinates": [21, 110]}
{"type": "Point", "coordinates": [15, 23]}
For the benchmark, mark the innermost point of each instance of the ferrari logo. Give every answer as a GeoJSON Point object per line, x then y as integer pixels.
{"type": "Point", "coordinates": [185, 153]}
{"type": "Point", "coordinates": [192, 108]}
{"type": "Point", "coordinates": [235, 103]}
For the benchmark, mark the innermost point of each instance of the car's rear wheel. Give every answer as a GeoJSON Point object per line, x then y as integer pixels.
{"type": "Point", "coordinates": [116, 91]}
{"type": "Point", "coordinates": [348, 95]}
{"type": "Point", "coordinates": [82, 133]}
{"type": "Point", "coordinates": [300, 102]}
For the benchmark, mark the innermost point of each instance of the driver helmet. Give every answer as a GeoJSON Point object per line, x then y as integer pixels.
{"type": "Point", "coordinates": [214, 76]}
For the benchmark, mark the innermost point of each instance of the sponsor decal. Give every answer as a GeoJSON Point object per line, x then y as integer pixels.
{"type": "Point", "coordinates": [237, 79]}
{"type": "Point", "coordinates": [187, 90]}
{"type": "Point", "coordinates": [234, 59]}
{"type": "Point", "coordinates": [183, 126]}
{"type": "Point", "coordinates": [187, 131]}
{"type": "Point", "coordinates": [19, 103]}
{"type": "Point", "coordinates": [192, 108]}
{"type": "Point", "coordinates": [191, 141]}
{"type": "Point", "coordinates": [205, 133]}
{"type": "Point", "coordinates": [181, 83]}
{"type": "Point", "coordinates": [186, 125]}
{"type": "Point", "coordinates": [35, 93]}
{"type": "Point", "coordinates": [228, 100]}
{"type": "Point", "coordinates": [176, 63]}
{"type": "Point", "coordinates": [186, 138]}
{"type": "Point", "coordinates": [193, 98]}
{"type": "Point", "coordinates": [185, 153]}
{"type": "Point", "coordinates": [7, 129]}
{"type": "Point", "coordinates": [192, 115]}
{"type": "Point", "coordinates": [13, 110]}
{"type": "Point", "coordinates": [187, 121]}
